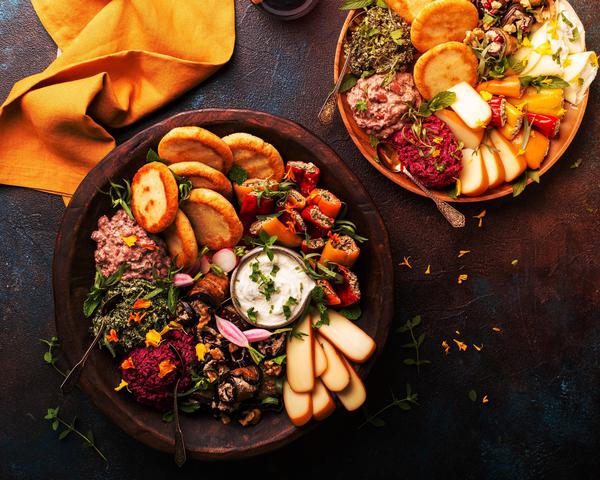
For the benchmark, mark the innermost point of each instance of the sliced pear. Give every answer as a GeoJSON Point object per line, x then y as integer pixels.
{"type": "Point", "coordinates": [473, 176]}
{"type": "Point", "coordinates": [514, 164]}
{"type": "Point", "coordinates": [470, 107]}
{"type": "Point", "coordinates": [347, 337]}
{"type": "Point", "coordinates": [336, 377]}
{"type": "Point", "coordinates": [471, 138]}
{"type": "Point", "coordinates": [355, 394]}
{"type": "Point", "coordinates": [300, 359]}
{"type": "Point", "coordinates": [576, 39]}
{"type": "Point", "coordinates": [298, 406]}
{"type": "Point", "coordinates": [322, 401]}
{"type": "Point", "coordinates": [493, 164]}
{"type": "Point", "coordinates": [320, 358]}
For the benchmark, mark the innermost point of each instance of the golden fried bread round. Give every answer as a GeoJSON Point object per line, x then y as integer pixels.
{"type": "Point", "coordinates": [181, 241]}
{"type": "Point", "coordinates": [203, 176]}
{"type": "Point", "coordinates": [443, 21]}
{"type": "Point", "coordinates": [444, 66]}
{"type": "Point", "coordinates": [213, 219]}
{"type": "Point", "coordinates": [195, 144]}
{"type": "Point", "coordinates": [259, 158]}
{"type": "Point", "coordinates": [408, 9]}
{"type": "Point", "coordinates": [154, 197]}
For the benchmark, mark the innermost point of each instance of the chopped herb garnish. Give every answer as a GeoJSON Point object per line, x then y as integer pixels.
{"type": "Point", "coordinates": [317, 296]}
{"type": "Point", "coordinates": [351, 313]}
{"type": "Point", "coordinates": [120, 196]}
{"type": "Point", "coordinates": [252, 314]}
{"type": "Point", "coordinates": [415, 342]}
{"type": "Point", "coordinates": [99, 288]}
{"type": "Point", "coordinates": [237, 174]}
{"type": "Point", "coordinates": [287, 311]}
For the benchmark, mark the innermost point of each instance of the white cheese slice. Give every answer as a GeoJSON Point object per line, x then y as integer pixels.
{"type": "Point", "coordinates": [355, 394]}
{"type": "Point", "coordinates": [300, 358]}
{"type": "Point", "coordinates": [470, 107]}
{"type": "Point", "coordinates": [322, 402]}
{"type": "Point", "coordinates": [320, 358]}
{"type": "Point", "coordinates": [298, 406]}
{"type": "Point", "coordinates": [336, 377]}
{"type": "Point", "coordinates": [347, 337]}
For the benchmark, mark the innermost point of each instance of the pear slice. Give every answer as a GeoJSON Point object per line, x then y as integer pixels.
{"type": "Point", "coordinates": [298, 406]}
{"type": "Point", "coordinates": [493, 164]}
{"type": "Point", "coordinates": [322, 402]}
{"type": "Point", "coordinates": [514, 164]}
{"type": "Point", "coordinates": [473, 176]}
{"type": "Point", "coordinates": [347, 337]}
{"type": "Point", "coordinates": [355, 394]}
{"type": "Point", "coordinates": [300, 358]}
{"type": "Point", "coordinates": [320, 358]}
{"type": "Point", "coordinates": [336, 377]}
{"type": "Point", "coordinates": [471, 138]}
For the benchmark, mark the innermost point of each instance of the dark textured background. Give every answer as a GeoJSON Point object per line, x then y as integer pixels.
{"type": "Point", "coordinates": [541, 373]}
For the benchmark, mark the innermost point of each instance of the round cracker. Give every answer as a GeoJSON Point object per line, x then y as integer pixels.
{"type": "Point", "coordinates": [408, 9]}
{"type": "Point", "coordinates": [181, 241]}
{"type": "Point", "coordinates": [195, 144]}
{"type": "Point", "coordinates": [444, 66]}
{"type": "Point", "coordinates": [203, 176]}
{"type": "Point", "coordinates": [259, 158]}
{"type": "Point", "coordinates": [443, 21]}
{"type": "Point", "coordinates": [213, 218]}
{"type": "Point", "coordinates": [154, 197]}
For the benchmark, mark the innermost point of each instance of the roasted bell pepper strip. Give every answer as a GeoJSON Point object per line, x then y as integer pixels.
{"type": "Point", "coordinates": [327, 202]}
{"type": "Point", "coordinates": [548, 101]}
{"type": "Point", "coordinates": [329, 296]}
{"type": "Point", "coordinates": [549, 125]}
{"type": "Point", "coordinates": [340, 249]}
{"type": "Point", "coordinates": [253, 184]}
{"type": "Point", "coordinates": [498, 106]}
{"type": "Point", "coordinates": [293, 220]}
{"type": "Point", "coordinates": [348, 290]}
{"type": "Point", "coordinates": [313, 245]}
{"type": "Point", "coordinates": [535, 150]}
{"type": "Point", "coordinates": [273, 227]}
{"type": "Point", "coordinates": [317, 222]}
{"type": "Point", "coordinates": [305, 175]}
{"type": "Point", "coordinates": [514, 122]}
{"type": "Point", "coordinates": [294, 200]}
{"type": "Point", "coordinates": [507, 87]}
{"type": "Point", "coordinates": [254, 204]}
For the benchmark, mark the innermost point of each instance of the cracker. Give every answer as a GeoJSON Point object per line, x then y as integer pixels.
{"type": "Point", "coordinates": [154, 197]}
{"type": "Point", "coordinates": [181, 241]}
{"type": "Point", "coordinates": [443, 21]}
{"type": "Point", "coordinates": [195, 144]}
{"type": "Point", "coordinates": [213, 218]}
{"type": "Point", "coordinates": [259, 158]}
{"type": "Point", "coordinates": [203, 176]}
{"type": "Point", "coordinates": [408, 9]}
{"type": "Point", "coordinates": [444, 66]}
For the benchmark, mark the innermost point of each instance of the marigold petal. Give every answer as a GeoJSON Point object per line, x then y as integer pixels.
{"type": "Point", "coordinates": [121, 385]}
{"type": "Point", "coordinates": [130, 240]}
{"type": "Point", "coordinates": [112, 336]}
{"type": "Point", "coordinates": [153, 338]}
{"type": "Point", "coordinates": [127, 364]}
{"type": "Point", "coordinates": [461, 346]}
{"type": "Point", "coordinates": [142, 303]}
{"type": "Point", "coordinates": [165, 367]}
{"type": "Point", "coordinates": [200, 351]}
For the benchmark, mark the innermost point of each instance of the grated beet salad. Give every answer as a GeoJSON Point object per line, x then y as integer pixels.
{"type": "Point", "coordinates": [430, 152]}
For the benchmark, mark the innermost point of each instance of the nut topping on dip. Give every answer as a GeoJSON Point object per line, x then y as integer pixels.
{"type": "Point", "coordinates": [121, 240]}
{"type": "Point", "coordinates": [271, 293]}
{"type": "Point", "coordinates": [378, 108]}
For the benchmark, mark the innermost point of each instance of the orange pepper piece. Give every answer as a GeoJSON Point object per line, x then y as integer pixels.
{"type": "Point", "coordinates": [327, 202]}
{"type": "Point", "coordinates": [341, 250]}
{"type": "Point", "coordinates": [275, 228]}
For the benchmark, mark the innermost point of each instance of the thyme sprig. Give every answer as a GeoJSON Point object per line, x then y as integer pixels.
{"type": "Point", "coordinates": [405, 404]}
{"type": "Point", "coordinates": [415, 343]}
{"type": "Point", "coordinates": [49, 356]}
{"type": "Point", "coordinates": [88, 438]}
{"type": "Point", "coordinates": [120, 196]}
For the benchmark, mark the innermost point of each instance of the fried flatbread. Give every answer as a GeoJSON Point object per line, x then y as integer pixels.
{"type": "Point", "coordinates": [259, 158]}
{"type": "Point", "coordinates": [181, 241]}
{"type": "Point", "coordinates": [195, 144]}
{"type": "Point", "coordinates": [408, 9]}
{"type": "Point", "coordinates": [443, 21]}
{"type": "Point", "coordinates": [154, 197]}
{"type": "Point", "coordinates": [443, 67]}
{"type": "Point", "coordinates": [213, 219]}
{"type": "Point", "coordinates": [203, 176]}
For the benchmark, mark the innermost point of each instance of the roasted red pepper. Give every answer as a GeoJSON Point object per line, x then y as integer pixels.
{"type": "Point", "coordinates": [548, 125]}
{"type": "Point", "coordinates": [348, 290]}
{"type": "Point", "coordinates": [328, 203]}
{"type": "Point", "coordinates": [498, 106]}
{"type": "Point", "coordinates": [314, 245]}
{"type": "Point", "coordinates": [293, 220]}
{"type": "Point", "coordinates": [317, 222]}
{"type": "Point", "coordinates": [305, 175]}
{"type": "Point", "coordinates": [329, 296]}
{"type": "Point", "coordinates": [253, 204]}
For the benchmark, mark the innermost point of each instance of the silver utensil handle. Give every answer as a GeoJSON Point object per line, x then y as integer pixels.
{"type": "Point", "coordinates": [180, 455]}
{"type": "Point", "coordinates": [329, 106]}
{"type": "Point", "coordinates": [454, 217]}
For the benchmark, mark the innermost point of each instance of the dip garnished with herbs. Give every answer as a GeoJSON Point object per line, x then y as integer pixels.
{"type": "Point", "coordinates": [270, 292]}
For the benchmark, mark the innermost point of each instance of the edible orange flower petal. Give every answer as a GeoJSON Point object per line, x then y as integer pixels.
{"type": "Point", "coordinates": [485, 399]}
{"type": "Point", "coordinates": [112, 336]}
{"type": "Point", "coordinates": [496, 329]}
{"type": "Point", "coordinates": [130, 240]}
{"type": "Point", "coordinates": [153, 338]}
{"type": "Point", "coordinates": [462, 278]}
{"type": "Point", "coordinates": [148, 246]}
{"type": "Point", "coordinates": [406, 263]}
{"type": "Point", "coordinates": [142, 303]}
{"type": "Point", "coordinates": [461, 346]}
{"type": "Point", "coordinates": [478, 348]}
{"type": "Point", "coordinates": [428, 271]}
{"type": "Point", "coordinates": [121, 385]}
{"type": "Point", "coordinates": [480, 218]}
{"type": "Point", "coordinates": [200, 351]}
{"type": "Point", "coordinates": [127, 363]}
{"type": "Point", "coordinates": [137, 317]}
{"type": "Point", "coordinates": [165, 367]}
{"type": "Point", "coordinates": [446, 347]}
{"type": "Point", "coordinates": [462, 253]}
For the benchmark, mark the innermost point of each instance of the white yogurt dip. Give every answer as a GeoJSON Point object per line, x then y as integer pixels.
{"type": "Point", "coordinates": [271, 293]}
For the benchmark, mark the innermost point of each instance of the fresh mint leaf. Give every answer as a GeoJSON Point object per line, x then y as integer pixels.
{"type": "Point", "coordinates": [237, 174]}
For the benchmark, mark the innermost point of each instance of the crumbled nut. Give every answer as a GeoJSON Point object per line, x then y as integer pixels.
{"type": "Point", "coordinates": [216, 354]}
{"type": "Point", "coordinates": [272, 369]}
{"type": "Point", "coordinates": [509, 28]}
{"type": "Point", "coordinates": [496, 5]}
{"type": "Point", "coordinates": [526, 3]}
{"type": "Point", "coordinates": [251, 417]}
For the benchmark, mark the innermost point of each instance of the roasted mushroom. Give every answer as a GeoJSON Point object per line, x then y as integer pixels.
{"type": "Point", "coordinates": [239, 384]}
{"type": "Point", "coordinates": [517, 19]}
{"type": "Point", "coordinates": [273, 346]}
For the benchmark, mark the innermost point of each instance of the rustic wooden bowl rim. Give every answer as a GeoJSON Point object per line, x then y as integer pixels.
{"type": "Point", "coordinates": [569, 128]}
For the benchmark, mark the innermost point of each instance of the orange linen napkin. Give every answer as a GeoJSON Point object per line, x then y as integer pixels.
{"type": "Point", "coordinates": [121, 59]}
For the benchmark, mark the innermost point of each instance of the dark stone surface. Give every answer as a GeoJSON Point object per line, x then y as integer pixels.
{"type": "Point", "coordinates": [541, 373]}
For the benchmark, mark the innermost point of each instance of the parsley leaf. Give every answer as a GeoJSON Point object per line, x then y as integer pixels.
{"type": "Point", "coordinates": [237, 174]}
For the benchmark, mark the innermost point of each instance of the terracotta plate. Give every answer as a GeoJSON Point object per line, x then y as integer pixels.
{"type": "Point", "coordinates": [73, 270]}
{"type": "Point", "coordinates": [569, 127]}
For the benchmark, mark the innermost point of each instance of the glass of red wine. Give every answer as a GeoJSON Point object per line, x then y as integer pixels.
{"type": "Point", "coordinates": [286, 9]}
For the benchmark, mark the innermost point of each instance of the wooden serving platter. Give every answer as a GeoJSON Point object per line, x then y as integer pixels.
{"type": "Point", "coordinates": [73, 273]}
{"type": "Point", "coordinates": [568, 130]}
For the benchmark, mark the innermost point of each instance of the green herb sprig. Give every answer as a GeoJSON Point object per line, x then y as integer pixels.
{"type": "Point", "coordinates": [49, 356]}
{"type": "Point", "coordinates": [410, 399]}
{"type": "Point", "coordinates": [99, 288]}
{"type": "Point", "coordinates": [317, 297]}
{"type": "Point", "coordinates": [237, 174]}
{"type": "Point", "coordinates": [120, 196]}
{"type": "Point", "coordinates": [415, 343]}
{"type": "Point", "coordinates": [265, 241]}
{"type": "Point", "coordinates": [546, 81]}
